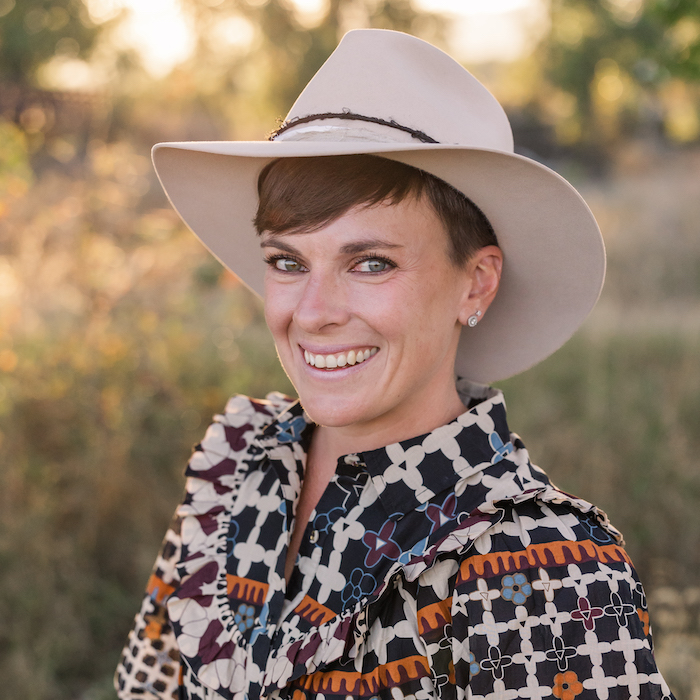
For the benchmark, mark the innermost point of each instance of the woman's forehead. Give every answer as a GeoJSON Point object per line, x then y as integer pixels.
{"type": "Point", "coordinates": [386, 227]}
{"type": "Point", "coordinates": [387, 210]}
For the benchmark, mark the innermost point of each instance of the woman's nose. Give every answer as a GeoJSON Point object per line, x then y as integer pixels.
{"type": "Point", "coordinates": [322, 303]}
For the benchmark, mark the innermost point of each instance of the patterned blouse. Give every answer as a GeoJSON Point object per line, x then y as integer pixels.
{"type": "Point", "coordinates": [445, 566]}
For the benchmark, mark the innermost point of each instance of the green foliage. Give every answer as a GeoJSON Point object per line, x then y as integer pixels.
{"type": "Point", "coordinates": [279, 51]}
{"type": "Point", "coordinates": [679, 50]}
{"type": "Point", "coordinates": [15, 172]}
{"type": "Point", "coordinates": [33, 31]}
{"type": "Point", "coordinates": [617, 59]}
{"type": "Point", "coordinates": [585, 32]}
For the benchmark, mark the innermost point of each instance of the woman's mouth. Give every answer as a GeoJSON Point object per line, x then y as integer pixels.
{"type": "Point", "coordinates": [339, 359]}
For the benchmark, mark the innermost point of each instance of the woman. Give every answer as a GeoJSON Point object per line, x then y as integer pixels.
{"type": "Point", "coordinates": [386, 536]}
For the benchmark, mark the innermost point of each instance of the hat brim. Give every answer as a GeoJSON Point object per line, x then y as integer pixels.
{"type": "Point", "coordinates": [554, 257]}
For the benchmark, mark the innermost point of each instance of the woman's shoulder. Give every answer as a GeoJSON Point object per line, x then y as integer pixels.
{"type": "Point", "coordinates": [246, 416]}
{"type": "Point", "coordinates": [233, 432]}
{"type": "Point", "coordinates": [548, 551]}
{"type": "Point", "coordinates": [543, 529]}
{"type": "Point", "coordinates": [257, 412]}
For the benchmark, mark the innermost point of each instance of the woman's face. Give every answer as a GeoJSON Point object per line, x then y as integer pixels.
{"type": "Point", "coordinates": [366, 314]}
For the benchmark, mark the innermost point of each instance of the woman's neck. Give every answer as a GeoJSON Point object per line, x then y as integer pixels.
{"type": "Point", "coordinates": [328, 444]}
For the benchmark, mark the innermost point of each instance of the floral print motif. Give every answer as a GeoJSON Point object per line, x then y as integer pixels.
{"type": "Point", "coordinates": [291, 430]}
{"type": "Point", "coordinates": [587, 613]}
{"type": "Point", "coordinates": [440, 568]}
{"type": "Point", "coordinates": [566, 686]}
{"type": "Point", "coordinates": [359, 584]}
{"type": "Point", "coordinates": [442, 514]}
{"type": "Point", "coordinates": [245, 616]}
{"type": "Point", "coordinates": [516, 588]}
{"type": "Point", "coordinates": [561, 653]}
{"type": "Point", "coordinates": [496, 662]}
{"type": "Point", "coordinates": [621, 610]}
{"type": "Point", "coordinates": [473, 665]}
{"type": "Point", "coordinates": [381, 545]}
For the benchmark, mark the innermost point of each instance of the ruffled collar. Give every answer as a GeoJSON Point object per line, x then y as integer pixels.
{"type": "Point", "coordinates": [404, 479]}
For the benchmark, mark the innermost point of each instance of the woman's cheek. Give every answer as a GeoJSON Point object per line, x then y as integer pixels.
{"type": "Point", "coordinates": [278, 309]}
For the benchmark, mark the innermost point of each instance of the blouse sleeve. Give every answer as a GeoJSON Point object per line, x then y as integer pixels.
{"type": "Point", "coordinates": [561, 618]}
{"type": "Point", "coordinates": [150, 663]}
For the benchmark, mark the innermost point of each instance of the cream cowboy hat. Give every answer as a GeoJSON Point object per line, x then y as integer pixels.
{"type": "Point", "coordinates": [390, 94]}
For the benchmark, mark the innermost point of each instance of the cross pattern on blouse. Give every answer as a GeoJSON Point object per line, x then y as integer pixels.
{"type": "Point", "coordinates": [484, 594]}
{"type": "Point", "coordinates": [547, 585]}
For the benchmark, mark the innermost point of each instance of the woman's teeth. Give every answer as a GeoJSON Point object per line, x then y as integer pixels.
{"type": "Point", "coordinates": [354, 357]}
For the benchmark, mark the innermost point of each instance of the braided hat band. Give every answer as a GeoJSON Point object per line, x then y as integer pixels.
{"type": "Point", "coordinates": [347, 114]}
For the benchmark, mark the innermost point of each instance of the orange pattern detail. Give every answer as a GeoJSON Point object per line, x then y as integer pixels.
{"type": "Point", "coordinates": [154, 623]}
{"type": "Point", "coordinates": [435, 616]}
{"type": "Point", "coordinates": [366, 684]}
{"type": "Point", "coordinates": [312, 611]}
{"type": "Point", "coordinates": [245, 589]}
{"type": "Point", "coordinates": [566, 686]}
{"type": "Point", "coordinates": [155, 583]}
{"type": "Point", "coordinates": [544, 555]}
{"type": "Point", "coordinates": [644, 617]}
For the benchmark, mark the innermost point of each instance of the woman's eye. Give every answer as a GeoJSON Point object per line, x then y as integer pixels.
{"type": "Point", "coordinates": [373, 265]}
{"type": "Point", "coordinates": [287, 265]}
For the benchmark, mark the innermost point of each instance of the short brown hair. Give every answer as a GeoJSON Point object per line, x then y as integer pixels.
{"type": "Point", "coordinates": [304, 194]}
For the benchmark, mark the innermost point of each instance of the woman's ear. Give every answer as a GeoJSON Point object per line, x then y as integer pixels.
{"type": "Point", "coordinates": [484, 270]}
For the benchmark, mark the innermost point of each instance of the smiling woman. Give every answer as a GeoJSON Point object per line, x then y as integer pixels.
{"type": "Point", "coordinates": [385, 535]}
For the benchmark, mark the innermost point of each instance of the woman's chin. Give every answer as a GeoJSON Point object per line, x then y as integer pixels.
{"type": "Point", "coordinates": [335, 412]}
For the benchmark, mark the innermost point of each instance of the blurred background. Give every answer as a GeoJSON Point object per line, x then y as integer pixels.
{"type": "Point", "coordinates": [120, 336]}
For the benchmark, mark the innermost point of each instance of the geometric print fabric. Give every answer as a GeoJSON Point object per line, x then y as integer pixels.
{"type": "Point", "coordinates": [445, 566]}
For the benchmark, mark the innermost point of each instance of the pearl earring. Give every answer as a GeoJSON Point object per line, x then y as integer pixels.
{"type": "Point", "coordinates": [474, 319]}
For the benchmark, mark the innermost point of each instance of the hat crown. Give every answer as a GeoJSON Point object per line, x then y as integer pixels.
{"type": "Point", "coordinates": [398, 78]}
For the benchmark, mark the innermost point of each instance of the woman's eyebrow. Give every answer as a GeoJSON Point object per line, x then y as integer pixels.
{"type": "Point", "coordinates": [275, 242]}
{"type": "Point", "coordinates": [368, 244]}
{"type": "Point", "coordinates": [347, 249]}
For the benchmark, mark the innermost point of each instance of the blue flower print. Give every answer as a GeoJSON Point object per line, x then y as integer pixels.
{"type": "Point", "coordinates": [290, 430]}
{"type": "Point", "coordinates": [474, 667]}
{"type": "Point", "coordinates": [593, 528]}
{"type": "Point", "coordinates": [323, 521]}
{"type": "Point", "coordinates": [262, 624]}
{"type": "Point", "coordinates": [516, 588]}
{"type": "Point", "coordinates": [499, 447]}
{"type": "Point", "coordinates": [358, 584]}
{"type": "Point", "coordinates": [244, 617]}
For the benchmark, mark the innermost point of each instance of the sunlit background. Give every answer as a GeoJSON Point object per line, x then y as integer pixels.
{"type": "Point", "coordinates": [482, 30]}
{"type": "Point", "coordinates": [120, 336]}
